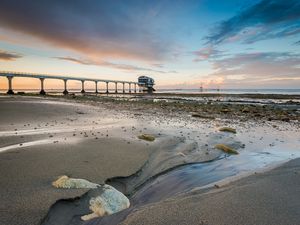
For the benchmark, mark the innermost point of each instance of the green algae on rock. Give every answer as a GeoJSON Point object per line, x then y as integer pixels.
{"type": "Point", "coordinates": [146, 137]}
{"type": "Point", "coordinates": [202, 116]}
{"type": "Point", "coordinates": [67, 182]}
{"type": "Point", "coordinates": [225, 110]}
{"type": "Point", "coordinates": [110, 201]}
{"type": "Point", "coordinates": [226, 148]}
{"type": "Point", "coordinates": [245, 110]}
{"type": "Point", "coordinates": [228, 129]}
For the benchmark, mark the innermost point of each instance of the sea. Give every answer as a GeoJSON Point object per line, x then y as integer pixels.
{"type": "Point", "coordinates": [232, 91]}
{"type": "Point", "coordinates": [180, 91]}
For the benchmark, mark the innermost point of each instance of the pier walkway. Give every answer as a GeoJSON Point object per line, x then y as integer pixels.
{"type": "Point", "coordinates": [65, 79]}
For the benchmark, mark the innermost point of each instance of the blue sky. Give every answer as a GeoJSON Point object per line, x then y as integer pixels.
{"type": "Point", "coordinates": [227, 44]}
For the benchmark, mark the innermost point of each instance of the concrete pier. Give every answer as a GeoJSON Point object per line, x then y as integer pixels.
{"type": "Point", "coordinates": [82, 87]}
{"type": "Point", "coordinates": [107, 88]}
{"type": "Point", "coordinates": [42, 92]}
{"type": "Point", "coordinates": [96, 87]}
{"type": "Point", "coordinates": [134, 88]}
{"type": "Point", "coordinates": [65, 92]}
{"type": "Point", "coordinates": [10, 90]}
{"type": "Point", "coordinates": [42, 77]}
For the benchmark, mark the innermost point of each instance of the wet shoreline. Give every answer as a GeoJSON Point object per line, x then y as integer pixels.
{"type": "Point", "coordinates": [181, 139]}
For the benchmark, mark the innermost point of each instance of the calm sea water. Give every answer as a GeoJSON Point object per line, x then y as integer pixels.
{"type": "Point", "coordinates": [232, 91]}
{"type": "Point", "coordinates": [187, 91]}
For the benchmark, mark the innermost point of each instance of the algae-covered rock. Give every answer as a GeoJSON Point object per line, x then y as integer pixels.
{"type": "Point", "coordinates": [228, 129]}
{"type": "Point", "coordinates": [226, 149]}
{"type": "Point", "coordinates": [285, 119]}
{"type": "Point", "coordinates": [202, 116]}
{"type": "Point", "coordinates": [103, 199]}
{"type": "Point", "coordinates": [67, 182]}
{"type": "Point", "coordinates": [146, 137]}
{"type": "Point", "coordinates": [109, 202]}
{"type": "Point", "coordinates": [225, 110]}
{"type": "Point", "coordinates": [245, 110]}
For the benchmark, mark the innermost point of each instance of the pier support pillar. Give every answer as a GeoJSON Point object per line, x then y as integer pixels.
{"type": "Point", "coordinates": [134, 88]}
{"type": "Point", "coordinates": [82, 87]}
{"type": "Point", "coordinates": [129, 87]}
{"type": "Point", "coordinates": [65, 92]}
{"type": "Point", "coordinates": [10, 90]}
{"type": "Point", "coordinates": [123, 88]}
{"type": "Point", "coordinates": [116, 87]}
{"type": "Point", "coordinates": [42, 92]}
{"type": "Point", "coordinates": [107, 88]}
{"type": "Point", "coordinates": [96, 87]}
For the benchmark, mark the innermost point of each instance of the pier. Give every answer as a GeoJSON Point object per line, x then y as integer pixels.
{"type": "Point", "coordinates": [65, 79]}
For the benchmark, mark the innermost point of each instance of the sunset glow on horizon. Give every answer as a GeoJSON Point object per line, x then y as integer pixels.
{"type": "Point", "coordinates": [181, 44]}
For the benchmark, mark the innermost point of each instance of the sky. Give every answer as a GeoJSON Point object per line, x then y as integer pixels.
{"type": "Point", "coordinates": [181, 44]}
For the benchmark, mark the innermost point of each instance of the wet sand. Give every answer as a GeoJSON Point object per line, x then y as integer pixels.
{"type": "Point", "coordinates": [27, 172]}
{"type": "Point", "coordinates": [42, 138]}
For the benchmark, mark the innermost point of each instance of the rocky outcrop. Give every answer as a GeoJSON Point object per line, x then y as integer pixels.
{"type": "Point", "coordinates": [109, 202]}
{"type": "Point", "coordinates": [99, 201]}
{"type": "Point", "coordinates": [67, 182]}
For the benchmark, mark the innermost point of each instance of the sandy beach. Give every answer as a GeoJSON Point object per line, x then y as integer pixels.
{"type": "Point", "coordinates": [96, 138]}
{"type": "Point", "coordinates": [27, 171]}
{"type": "Point", "coordinates": [150, 112]}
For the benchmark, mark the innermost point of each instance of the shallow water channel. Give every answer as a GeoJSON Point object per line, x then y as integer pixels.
{"type": "Point", "coordinates": [200, 175]}
{"type": "Point", "coordinates": [180, 180]}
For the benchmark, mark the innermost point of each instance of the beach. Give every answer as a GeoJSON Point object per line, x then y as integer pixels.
{"type": "Point", "coordinates": [96, 138]}
{"type": "Point", "coordinates": [27, 172]}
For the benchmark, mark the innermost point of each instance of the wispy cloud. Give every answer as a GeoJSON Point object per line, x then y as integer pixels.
{"type": "Point", "coordinates": [266, 20]}
{"type": "Point", "coordinates": [257, 69]}
{"type": "Point", "coordinates": [125, 67]}
{"type": "Point", "coordinates": [297, 43]}
{"type": "Point", "coordinates": [107, 29]}
{"type": "Point", "coordinates": [207, 53]}
{"type": "Point", "coordinates": [9, 56]}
